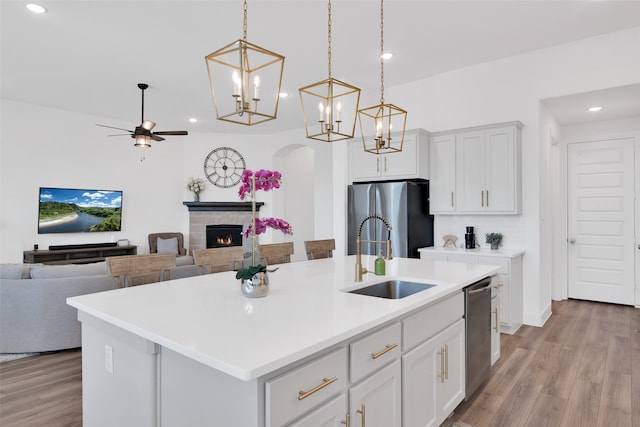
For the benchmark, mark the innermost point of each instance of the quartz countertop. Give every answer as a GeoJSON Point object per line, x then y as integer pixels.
{"type": "Point", "coordinates": [307, 310]}
{"type": "Point", "coordinates": [502, 252]}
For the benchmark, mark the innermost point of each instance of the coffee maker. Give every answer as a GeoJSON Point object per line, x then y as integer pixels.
{"type": "Point", "coordinates": [470, 239]}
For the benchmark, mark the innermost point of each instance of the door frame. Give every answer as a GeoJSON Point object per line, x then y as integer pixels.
{"type": "Point", "coordinates": [560, 288]}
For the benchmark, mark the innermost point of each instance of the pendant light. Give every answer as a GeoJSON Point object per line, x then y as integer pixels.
{"type": "Point", "coordinates": [245, 81]}
{"type": "Point", "coordinates": [382, 125]}
{"type": "Point", "coordinates": [330, 106]}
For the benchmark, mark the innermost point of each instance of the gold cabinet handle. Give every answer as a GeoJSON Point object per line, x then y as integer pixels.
{"type": "Point", "coordinates": [441, 375]}
{"type": "Point", "coordinates": [347, 421]}
{"type": "Point", "coordinates": [325, 382]}
{"type": "Point", "coordinates": [378, 164]}
{"type": "Point", "coordinates": [498, 285]}
{"type": "Point", "coordinates": [446, 361]}
{"type": "Point", "coordinates": [497, 320]}
{"type": "Point", "coordinates": [482, 198]}
{"type": "Point", "coordinates": [362, 412]}
{"type": "Point", "coordinates": [385, 164]}
{"type": "Point", "coordinates": [387, 348]}
{"type": "Point", "coordinates": [452, 199]}
{"type": "Point", "coordinates": [487, 198]}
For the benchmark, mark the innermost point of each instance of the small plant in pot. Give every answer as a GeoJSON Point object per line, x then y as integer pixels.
{"type": "Point", "coordinates": [494, 239]}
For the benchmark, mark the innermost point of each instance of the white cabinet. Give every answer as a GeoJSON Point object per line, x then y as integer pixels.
{"type": "Point", "coordinates": [433, 378]}
{"type": "Point", "coordinates": [376, 401]}
{"type": "Point", "coordinates": [411, 162]}
{"type": "Point", "coordinates": [442, 185]}
{"type": "Point", "coordinates": [508, 278]}
{"type": "Point", "coordinates": [331, 414]}
{"type": "Point", "coordinates": [495, 322]}
{"type": "Point", "coordinates": [486, 170]}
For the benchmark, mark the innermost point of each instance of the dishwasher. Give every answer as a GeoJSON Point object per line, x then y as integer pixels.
{"type": "Point", "coordinates": [477, 313]}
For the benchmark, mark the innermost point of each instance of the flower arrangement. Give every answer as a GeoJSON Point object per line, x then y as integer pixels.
{"type": "Point", "coordinates": [251, 182]}
{"type": "Point", "coordinates": [196, 185]}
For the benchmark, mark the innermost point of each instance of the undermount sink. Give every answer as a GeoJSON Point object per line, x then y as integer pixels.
{"type": "Point", "coordinates": [392, 289]}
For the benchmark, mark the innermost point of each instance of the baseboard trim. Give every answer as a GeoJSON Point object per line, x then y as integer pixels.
{"type": "Point", "coordinates": [537, 319]}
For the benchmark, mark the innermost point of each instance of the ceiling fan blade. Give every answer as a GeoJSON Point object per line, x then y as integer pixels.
{"type": "Point", "coordinates": [111, 127]}
{"type": "Point", "coordinates": [156, 138]}
{"type": "Point", "coordinates": [172, 132]}
{"type": "Point", "coordinates": [120, 134]}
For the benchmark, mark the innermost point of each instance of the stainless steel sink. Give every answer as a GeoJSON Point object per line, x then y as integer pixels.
{"type": "Point", "coordinates": [392, 289]}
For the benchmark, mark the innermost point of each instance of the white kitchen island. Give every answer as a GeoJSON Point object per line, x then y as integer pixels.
{"type": "Point", "coordinates": [194, 351]}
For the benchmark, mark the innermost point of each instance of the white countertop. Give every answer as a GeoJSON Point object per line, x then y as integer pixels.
{"type": "Point", "coordinates": [502, 252]}
{"type": "Point", "coordinates": [207, 319]}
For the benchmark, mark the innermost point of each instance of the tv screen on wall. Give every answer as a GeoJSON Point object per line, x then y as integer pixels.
{"type": "Point", "coordinates": [72, 210]}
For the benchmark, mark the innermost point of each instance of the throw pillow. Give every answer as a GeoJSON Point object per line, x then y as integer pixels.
{"type": "Point", "coordinates": [167, 245]}
{"type": "Point", "coordinates": [69, 270]}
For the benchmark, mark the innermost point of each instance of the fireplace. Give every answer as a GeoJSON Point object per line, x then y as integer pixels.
{"type": "Point", "coordinates": [224, 235]}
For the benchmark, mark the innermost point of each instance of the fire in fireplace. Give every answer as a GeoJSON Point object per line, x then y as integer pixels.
{"type": "Point", "coordinates": [223, 235]}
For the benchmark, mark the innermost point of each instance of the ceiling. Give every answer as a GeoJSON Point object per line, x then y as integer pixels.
{"type": "Point", "coordinates": [88, 56]}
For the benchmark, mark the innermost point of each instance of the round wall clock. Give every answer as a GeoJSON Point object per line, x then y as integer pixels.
{"type": "Point", "coordinates": [224, 166]}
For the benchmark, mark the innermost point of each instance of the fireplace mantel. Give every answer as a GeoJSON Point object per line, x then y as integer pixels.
{"type": "Point", "coordinates": [221, 206]}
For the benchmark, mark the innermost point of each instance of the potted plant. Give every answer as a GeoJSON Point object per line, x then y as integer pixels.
{"type": "Point", "coordinates": [255, 282]}
{"type": "Point", "coordinates": [494, 239]}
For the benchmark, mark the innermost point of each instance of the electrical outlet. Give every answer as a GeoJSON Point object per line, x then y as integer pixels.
{"type": "Point", "coordinates": [108, 359]}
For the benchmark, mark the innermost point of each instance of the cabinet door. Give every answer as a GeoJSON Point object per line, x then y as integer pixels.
{"type": "Point", "coordinates": [442, 184]}
{"type": "Point", "coordinates": [364, 166]}
{"type": "Point", "coordinates": [500, 163]}
{"type": "Point", "coordinates": [452, 390]}
{"type": "Point", "coordinates": [421, 369]}
{"type": "Point", "coordinates": [377, 399]}
{"type": "Point", "coordinates": [331, 414]}
{"type": "Point", "coordinates": [403, 164]}
{"type": "Point", "coordinates": [470, 172]}
{"type": "Point", "coordinates": [495, 328]}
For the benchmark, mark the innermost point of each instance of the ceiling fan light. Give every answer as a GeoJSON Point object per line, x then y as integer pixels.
{"type": "Point", "coordinates": [142, 141]}
{"type": "Point", "coordinates": [148, 125]}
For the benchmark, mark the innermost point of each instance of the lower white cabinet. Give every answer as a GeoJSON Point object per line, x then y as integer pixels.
{"type": "Point", "coordinates": [495, 322]}
{"type": "Point", "coordinates": [433, 378]}
{"type": "Point", "coordinates": [332, 414]}
{"type": "Point", "coordinates": [376, 401]}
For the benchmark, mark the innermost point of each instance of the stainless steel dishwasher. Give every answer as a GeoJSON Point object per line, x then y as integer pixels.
{"type": "Point", "coordinates": [477, 313]}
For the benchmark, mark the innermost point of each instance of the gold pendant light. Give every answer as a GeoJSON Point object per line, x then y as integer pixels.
{"type": "Point", "coordinates": [245, 80]}
{"type": "Point", "coordinates": [330, 106]}
{"type": "Point", "coordinates": [382, 125]}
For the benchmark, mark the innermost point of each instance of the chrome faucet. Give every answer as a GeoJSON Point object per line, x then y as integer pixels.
{"type": "Point", "coordinates": [360, 270]}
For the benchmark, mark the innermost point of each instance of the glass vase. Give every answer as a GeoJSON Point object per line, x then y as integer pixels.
{"type": "Point", "coordinates": [256, 287]}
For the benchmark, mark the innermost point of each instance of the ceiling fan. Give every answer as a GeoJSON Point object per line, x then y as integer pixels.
{"type": "Point", "coordinates": [142, 134]}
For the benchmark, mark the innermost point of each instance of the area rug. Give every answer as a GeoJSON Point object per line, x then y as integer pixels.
{"type": "Point", "coordinates": [450, 422]}
{"type": "Point", "coordinates": [5, 357]}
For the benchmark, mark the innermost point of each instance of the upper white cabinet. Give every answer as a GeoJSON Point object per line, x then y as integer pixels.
{"type": "Point", "coordinates": [442, 186]}
{"type": "Point", "coordinates": [477, 171]}
{"type": "Point", "coordinates": [411, 162]}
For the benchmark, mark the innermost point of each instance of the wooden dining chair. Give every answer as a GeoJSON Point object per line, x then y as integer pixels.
{"type": "Point", "coordinates": [275, 253]}
{"type": "Point", "coordinates": [136, 270]}
{"type": "Point", "coordinates": [214, 260]}
{"type": "Point", "coordinates": [317, 249]}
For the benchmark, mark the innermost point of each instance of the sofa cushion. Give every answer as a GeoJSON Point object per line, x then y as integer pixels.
{"type": "Point", "coordinates": [69, 270]}
{"type": "Point", "coordinates": [10, 271]}
{"type": "Point", "coordinates": [167, 245]}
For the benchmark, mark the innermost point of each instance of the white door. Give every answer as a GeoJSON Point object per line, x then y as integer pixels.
{"type": "Point", "coordinates": [601, 221]}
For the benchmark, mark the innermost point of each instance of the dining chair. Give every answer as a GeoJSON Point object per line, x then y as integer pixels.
{"type": "Point", "coordinates": [133, 270]}
{"type": "Point", "coordinates": [275, 253]}
{"type": "Point", "coordinates": [214, 260]}
{"type": "Point", "coordinates": [317, 249]}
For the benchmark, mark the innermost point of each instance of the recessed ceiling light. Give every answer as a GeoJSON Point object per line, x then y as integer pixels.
{"type": "Point", "coordinates": [36, 8]}
{"type": "Point", "coordinates": [193, 120]}
{"type": "Point", "coordinates": [283, 94]}
{"type": "Point", "coordinates": [387, 55]}
{"type": "Point", "coordinates": [595, 108]}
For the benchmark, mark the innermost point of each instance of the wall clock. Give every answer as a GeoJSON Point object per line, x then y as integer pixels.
{"type": "Point", "coordinates": [224, 166]}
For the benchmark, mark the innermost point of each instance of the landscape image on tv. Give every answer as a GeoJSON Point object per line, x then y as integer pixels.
{"type": "Point", "coordinates": [67, 210]}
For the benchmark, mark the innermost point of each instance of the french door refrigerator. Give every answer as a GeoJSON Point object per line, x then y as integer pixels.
{"type": "Point", "coordinates": [405, 206]}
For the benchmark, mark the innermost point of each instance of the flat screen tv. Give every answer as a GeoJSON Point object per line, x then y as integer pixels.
{"type": "Point", "coordinates": [72, 210]}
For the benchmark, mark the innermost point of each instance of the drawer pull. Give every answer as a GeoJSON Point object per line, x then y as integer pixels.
{"type": "Point", "coordinates": [387, 348]}
{"type": "Point", "coordinates": [325, 382]}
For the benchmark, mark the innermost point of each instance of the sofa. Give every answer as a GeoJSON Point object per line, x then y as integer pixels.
{"type": "Point", "coordinates": [34, 315]}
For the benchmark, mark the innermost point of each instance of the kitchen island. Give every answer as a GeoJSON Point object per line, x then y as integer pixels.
{"type": "Point", "coordinates": [196, 352]}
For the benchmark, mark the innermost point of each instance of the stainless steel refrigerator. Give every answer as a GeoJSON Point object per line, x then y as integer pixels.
{"type": "Point", "coordinates": [405, 206]}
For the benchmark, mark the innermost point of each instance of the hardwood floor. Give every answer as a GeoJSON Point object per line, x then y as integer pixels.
{"type": "Point", "coordinates": [581, 369]}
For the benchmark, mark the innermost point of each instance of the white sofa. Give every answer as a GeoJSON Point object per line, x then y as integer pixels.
{"type": "Point", "coordinates": [34, 315]}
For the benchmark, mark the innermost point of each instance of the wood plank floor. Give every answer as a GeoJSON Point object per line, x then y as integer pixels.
{"type": "Point", "coordinates": [581, 369]}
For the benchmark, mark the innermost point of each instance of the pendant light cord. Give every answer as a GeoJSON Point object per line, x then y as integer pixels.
{"type": "Point", "coordinates": [381, 52]}
{"type": "Point", "coordinates": [244, 22]}
{"type": "Point", "coordinates": [329, 38]}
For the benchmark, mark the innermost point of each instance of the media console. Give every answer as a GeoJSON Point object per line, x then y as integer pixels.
{"type": "Point", "coordinates": [77, 254]}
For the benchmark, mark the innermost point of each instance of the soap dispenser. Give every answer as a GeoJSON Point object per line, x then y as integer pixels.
{"type": "Point", "coordinates": [379, 265]}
